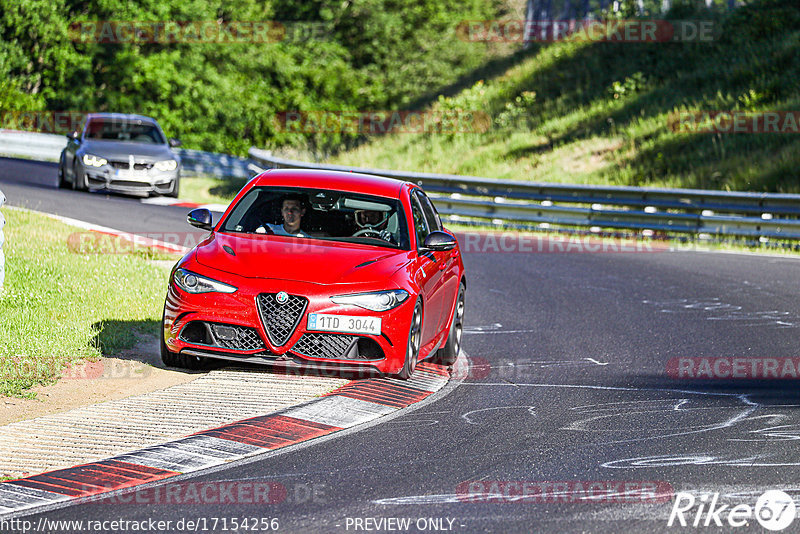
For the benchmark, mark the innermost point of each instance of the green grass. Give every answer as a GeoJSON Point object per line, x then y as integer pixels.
{"type": "Point", "coordinates": [59, 307]}
{"type": "Point", "coordinates": [599, 113]}
{"type": "Point", "coordinates": [210, 190]}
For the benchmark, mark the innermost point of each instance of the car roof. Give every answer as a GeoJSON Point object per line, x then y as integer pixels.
{"type": "Point", "coordinates": [121, 116]}
{"type": "Point", "coordinates": [352, 182]}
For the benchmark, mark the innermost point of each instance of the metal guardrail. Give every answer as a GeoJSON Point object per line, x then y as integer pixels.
{"type": "Point", "coordinates": [2, 240]}
{"type": "Point", "coordinates": [37, 146]}
{"type": "Point", "coordinates": [218, 165]}
{"type": "Point", "coordinates": [694, 211]}
{"type": "Point", "coordinates": [48, 147]}
{"type": "Point", "coordinates": [470, 198]}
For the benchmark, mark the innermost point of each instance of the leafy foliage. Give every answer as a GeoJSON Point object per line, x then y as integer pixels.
{"type": "Point", "coordinates": [371, 54]}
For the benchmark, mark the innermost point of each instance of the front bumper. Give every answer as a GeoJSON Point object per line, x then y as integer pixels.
{"type": "Point", "coordinates": [231, 327]}
{"type": "Point", "coordinates": [134, 182]}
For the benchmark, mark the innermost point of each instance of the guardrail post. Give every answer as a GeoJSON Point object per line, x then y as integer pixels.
{"type": "Point", "coordinates": [2, 238]}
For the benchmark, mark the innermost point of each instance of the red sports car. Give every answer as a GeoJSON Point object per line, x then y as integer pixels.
{"type": "Point", "coordinates": [319, 269]}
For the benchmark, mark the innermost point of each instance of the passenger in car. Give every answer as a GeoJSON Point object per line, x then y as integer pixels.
{"type": "Point", "coordinates": [292, 210]}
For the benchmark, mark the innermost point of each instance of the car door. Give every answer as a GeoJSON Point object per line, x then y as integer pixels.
{"type": "Point", "coordinates": [446, 260]}
{"type": "Point", "coordinates": [429, 277]}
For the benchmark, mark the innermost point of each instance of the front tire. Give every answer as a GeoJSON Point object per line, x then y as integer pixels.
{"type": "Point", "coordinates": [78, 184]}
{"type": "Point", "coordinates": [448, 354]}
{"type": "Point", "coordinates": [181, 361]}
{"type": "Point", "coordinates": [176, 188]}
{"type": "Point", "coordinates": [62, 180]}
{"type": "Point", "coordinates": [169, 358]}
{"type": "Point", "coordinates": [413, 344]}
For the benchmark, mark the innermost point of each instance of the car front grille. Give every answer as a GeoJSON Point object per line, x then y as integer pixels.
{"type": "Point", "coordinates": [225, 336]}
{"type": "Point", "coordinates": [126, 165]}
{"type": "Point", "coordinates": [280, 320]}
{"type": "Point", "coordinates": [324, 345]}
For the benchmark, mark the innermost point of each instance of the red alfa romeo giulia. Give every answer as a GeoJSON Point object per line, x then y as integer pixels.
{"type": "Point", "coordinates": [319, 269]}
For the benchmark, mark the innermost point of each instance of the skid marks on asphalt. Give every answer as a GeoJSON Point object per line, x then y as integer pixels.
{"type": "Point", "coordinates": [659, 418]}
{"type": "Point", "coordinates": [715, 309]}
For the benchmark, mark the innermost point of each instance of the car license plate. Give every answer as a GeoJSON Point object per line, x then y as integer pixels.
{"type": "Point", "coordinates": [127, 174]}
{"type": "Point", "coordinates": [352, 324]}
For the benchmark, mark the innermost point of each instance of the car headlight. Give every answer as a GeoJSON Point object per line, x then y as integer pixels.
{"type": "Point", "coordinates": [94, 161]}
{"type": "Point", "coordinates": [166, 165]}
{"type": "Point", "coordinates": [195, 283]}
{"type": "Point", "coordinates": [378, 301]}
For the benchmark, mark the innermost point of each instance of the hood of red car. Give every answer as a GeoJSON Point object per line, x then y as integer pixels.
{"type": "Point", "coordinates": [306, 260]}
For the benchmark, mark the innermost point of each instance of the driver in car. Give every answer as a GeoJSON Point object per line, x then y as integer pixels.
{"type": "Point", "coordinates": [372, 223]}
{"type": "Point", "coordinates": [292, 210]}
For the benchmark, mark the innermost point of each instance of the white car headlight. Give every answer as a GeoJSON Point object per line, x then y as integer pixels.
{"type": "Point", "coordinates": [195, 283]}
{"type": "Point", "coordinates": [378, 301]}
{"type": "Point", "coordinates": [166, 165]}
{"type": "Point", "coordinates": [93, 161]}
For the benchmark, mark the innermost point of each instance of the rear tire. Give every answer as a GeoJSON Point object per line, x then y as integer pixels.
{"type": "Point", "coordinates": [448, 354]}
{"type": "Point", "coordinates": [413, 344]}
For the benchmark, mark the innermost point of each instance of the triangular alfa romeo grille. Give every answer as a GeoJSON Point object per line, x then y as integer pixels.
{"type": "Point", "coordinates": [280, 314]}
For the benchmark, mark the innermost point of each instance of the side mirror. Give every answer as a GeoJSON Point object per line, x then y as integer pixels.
{"type": "Point", "coordinates": [439, 241]}
{"type": "Point", "coordinates": [73, 136]}
{"type": "Point", "coordinates": [201, 218]}
{"type": "Point", "coordinates": [174, 143]}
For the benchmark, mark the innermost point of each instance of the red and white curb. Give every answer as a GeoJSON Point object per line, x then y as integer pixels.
{"type": "Point", "coordinates": [135, 239]}
{"type": "Point", "coordinates": [353, 404]}
{"type": "Point", "coordinates": [178, 203]}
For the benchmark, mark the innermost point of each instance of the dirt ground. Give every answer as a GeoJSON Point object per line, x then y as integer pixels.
{"type": "Point", "coordinates": [133, 372]}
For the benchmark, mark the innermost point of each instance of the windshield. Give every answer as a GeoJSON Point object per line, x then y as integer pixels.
{"type": "Point", "coordinates": [124, 130]}
{"type": "Point", "coordinates": [320, 214]}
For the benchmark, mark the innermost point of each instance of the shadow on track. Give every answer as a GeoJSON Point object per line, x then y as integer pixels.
{"type": "Point", "coordinates": [758, 390]}
{"type": "Point", "coordinates": [138, 341]}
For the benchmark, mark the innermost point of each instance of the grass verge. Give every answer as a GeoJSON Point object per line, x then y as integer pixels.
{"type": "Point", "coordinates": [60, 307]}
{"type": "Point", "coordinates": [209, 190]}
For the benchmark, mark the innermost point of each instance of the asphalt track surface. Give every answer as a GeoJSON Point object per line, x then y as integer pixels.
{"type": "Point", "coordinates": [569, 383]}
